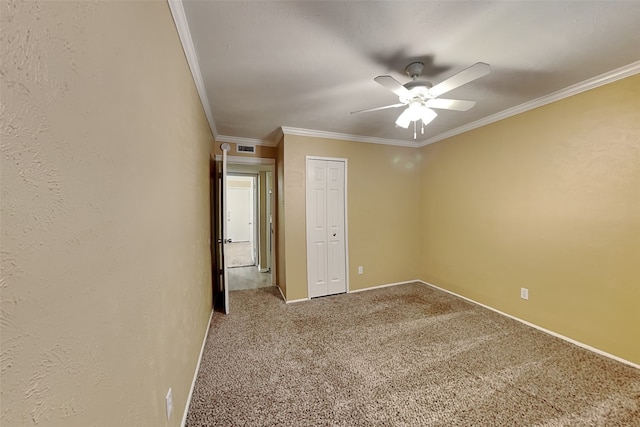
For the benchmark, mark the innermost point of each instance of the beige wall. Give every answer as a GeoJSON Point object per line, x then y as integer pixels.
{"type": "Point", "coordinates": [382, 188]}
{"type": "Point", "coordinates": [106, 283]}
{"type": "Point", "coordinates": [548, 200]}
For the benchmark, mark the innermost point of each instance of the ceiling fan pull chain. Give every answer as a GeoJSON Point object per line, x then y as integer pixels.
{"type": "Point", "coordinates": [422, 121]}
{"type": "Point", "coordinates": [414, 129]}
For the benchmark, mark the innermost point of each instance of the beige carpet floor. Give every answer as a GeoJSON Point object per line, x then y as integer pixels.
{"type": "Point", "coordinates": [406, 355]}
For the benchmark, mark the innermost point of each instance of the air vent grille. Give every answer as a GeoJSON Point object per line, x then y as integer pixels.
{"type": "Point", "coordinates": [246, 148]}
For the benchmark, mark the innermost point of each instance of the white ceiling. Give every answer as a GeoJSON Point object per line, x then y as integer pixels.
{"type": "Point", "coordinates": [305, 65]}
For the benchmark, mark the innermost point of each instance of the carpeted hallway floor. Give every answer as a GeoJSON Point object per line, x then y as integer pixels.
{"type": "Point", "coordinates": [406, 355]}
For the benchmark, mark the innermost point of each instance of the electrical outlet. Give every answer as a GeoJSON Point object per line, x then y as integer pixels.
{"type": "Point", "coordinates": [169, 403]}
{"type": "Point", "coordinates": [361, 270]}
{"type": "Point", "coordinates": [524, 293]}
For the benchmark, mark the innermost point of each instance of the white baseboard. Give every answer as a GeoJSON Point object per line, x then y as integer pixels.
{"type": "Point", "coordinates": [290, 301]}
{"type": "Point", "coordinates": [540, 328]}
{"type": "Point", "coordinates": [195, 374]}
{"type": "Point", "coordinates": [296, 300]}
{"type": "Point", "coordinates": [384, 286]}
{"type": "Point", "coordinates": [350, 291]}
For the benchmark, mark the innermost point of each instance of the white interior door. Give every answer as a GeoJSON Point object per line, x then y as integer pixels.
{"type": "Point", "coordinates": [225, 239]}
{"type": "Point", "coordinates": [240, 214]}
{"type": "Point", "coordinates": [269, 220]}
{"type": "Point", "coordinates": [326, 217]}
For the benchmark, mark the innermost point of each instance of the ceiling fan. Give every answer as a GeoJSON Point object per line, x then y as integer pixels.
{"type": "Point", "coordinates": [420, 96]}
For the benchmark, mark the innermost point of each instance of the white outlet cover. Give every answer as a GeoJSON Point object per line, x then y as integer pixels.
{"type": "Point", "coordinates": [361, 270]}
{"type": "Point", "coordinates": [169, 403]}
{"type": "Point", "coordinates": [524, 293]}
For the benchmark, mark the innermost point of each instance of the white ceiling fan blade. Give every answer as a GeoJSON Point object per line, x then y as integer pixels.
{"type": "Point", "coordinates": [393, 85]}
{"type": "Point", "coordinates": [379, 108]}
{"type": "Point", "coordinates": [465, 76]}
{"type": "Point", "coordinates": [404, 119]}
{"type": "Point", "coordinates": [450, 104]}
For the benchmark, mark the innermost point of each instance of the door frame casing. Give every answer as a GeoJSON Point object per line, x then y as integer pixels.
{"type": "Point", "coordinates": [237, 164]}
{"type": "Point", "coordinates": [346, 217]}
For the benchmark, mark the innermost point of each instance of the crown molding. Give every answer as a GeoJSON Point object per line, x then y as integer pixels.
{"type": "Point", "coordinates": [180, 19]}
{"type": "Point", "coordinates": [279, 135]}
{"type": "Point", "coordinates": [601, 80]}
{"type": "Point", "coordinates": [345, 137]}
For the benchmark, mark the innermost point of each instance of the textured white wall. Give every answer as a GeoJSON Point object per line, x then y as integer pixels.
{"type": "Point", "coordinates": [105, 288]}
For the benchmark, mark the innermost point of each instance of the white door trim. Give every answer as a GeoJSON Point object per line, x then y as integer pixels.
{"type": "Point", "coordinates": [240, 160]}
{"type": "Point", "coordinates": [225, 272]}
{"type": "Point", "coordinates": [346, 213]}
{"type": "Point", "coordinates": [251, 168]}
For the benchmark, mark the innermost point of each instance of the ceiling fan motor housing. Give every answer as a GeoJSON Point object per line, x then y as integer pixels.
{"type": "Point", "coordinates": [418, 89]}
{"type": "Point", "coordinates": [414, 69]}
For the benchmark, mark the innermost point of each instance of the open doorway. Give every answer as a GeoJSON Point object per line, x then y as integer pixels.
{"type": "Point", "coordinates": [261, 271]}
{"type": "Point", "coordinates": [249, 225]}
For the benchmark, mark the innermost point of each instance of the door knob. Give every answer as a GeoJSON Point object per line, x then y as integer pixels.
{"type": "Point", "coordinates": [334, 234]}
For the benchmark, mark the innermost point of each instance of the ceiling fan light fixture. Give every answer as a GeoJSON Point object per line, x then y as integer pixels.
{"type": "Point", "coordinates": [404, 119]}
{"type": "Point", "coordinates": [428, 115]}
{"type": "Point", "coordinates": [414, 112]}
